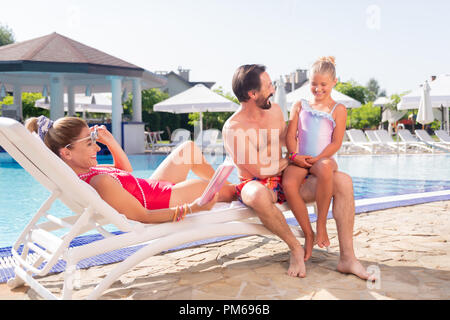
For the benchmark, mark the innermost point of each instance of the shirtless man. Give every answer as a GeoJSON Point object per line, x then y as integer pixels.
{"type": "Point", "coordinates": [253, 136]}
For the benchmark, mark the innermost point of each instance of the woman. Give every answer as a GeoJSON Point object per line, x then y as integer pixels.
{"type": "Point", "coordinates": [165, 196]}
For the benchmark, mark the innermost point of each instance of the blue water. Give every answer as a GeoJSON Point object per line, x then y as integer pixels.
{"type": "Point", "coordinates": [373, 176]}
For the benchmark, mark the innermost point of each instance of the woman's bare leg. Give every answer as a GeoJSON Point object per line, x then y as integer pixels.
{"type": "Point", "coordinates": [187, 156]}
{"type": "Point", "coordinates": [189, 190]}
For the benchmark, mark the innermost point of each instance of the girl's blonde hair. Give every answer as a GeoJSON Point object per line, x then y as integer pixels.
{"type": "Point", "coordinates": [64, 131]}
{"type": "Point", "coordinates": [324, 65]}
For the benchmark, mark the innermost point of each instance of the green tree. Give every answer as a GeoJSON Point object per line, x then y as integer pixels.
{"type": "Point", "coordinates": [354, 90]}
{"type": "Point", "coordinates": [6, 35]}
{"type": "Point", "coordinates": [156, 121]}
{"type": "Point", "coordinates": [365, 117]}
{"type": "Point", "coordinates": [28, 104]}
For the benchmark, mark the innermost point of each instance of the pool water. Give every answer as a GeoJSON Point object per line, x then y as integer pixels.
{"type": "Point", "coordinates": [373, 176]}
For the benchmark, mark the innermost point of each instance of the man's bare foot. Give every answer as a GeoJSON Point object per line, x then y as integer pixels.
{"type": "Point", "coordinates": [322, 237]}
{"type": "Point", "coordinates": [296, 263]}
{"type": "Point", "coordinates": [353, 266]}
{"type": "Point", "coordinates": [309, 244]}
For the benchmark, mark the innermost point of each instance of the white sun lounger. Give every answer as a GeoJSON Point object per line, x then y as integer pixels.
{"type": "Point", "coordinates": [178, 136]}
{"type": "Point", "coordinates": [381, 145]}
{"type": "Point", "coordinates": [411, 141]}
{"type": "Point", "coordinates": [208, 140]}
{"type": "Point", "coordinates": [90, 212]}
{"type": "Point", "coordinates": [443, 136]}
{"type": "Point", "coordinates": [428, 140]}
{"type": "Point", "coordinates": [358, 140]}
{"type": "Point", "coordinates": [385, 138]}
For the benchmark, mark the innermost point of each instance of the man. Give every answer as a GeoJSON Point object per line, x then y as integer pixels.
{"type": "Point", "coordinates": [254, 136]}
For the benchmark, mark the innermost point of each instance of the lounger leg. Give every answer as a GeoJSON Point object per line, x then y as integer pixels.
{"type": "Point", "coordinates": [15, 282]}
{"type": "Point", "coordinates": [68, 278]}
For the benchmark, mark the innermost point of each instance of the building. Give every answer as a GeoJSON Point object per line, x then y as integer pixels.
{"type": "Point", "coordinates": [295, 79]}
{"type": "Point", "coordinates": [177, 83]}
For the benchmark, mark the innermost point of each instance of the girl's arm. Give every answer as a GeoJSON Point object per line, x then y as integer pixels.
{"type": "Point", "coordinates": [120, 158]}
{"type": "Point", "coordinates": [292, 136]}
{"type": "Point", "coordinates": [121, 200]}
{"type": "Point", "coordinates": [337, 137]}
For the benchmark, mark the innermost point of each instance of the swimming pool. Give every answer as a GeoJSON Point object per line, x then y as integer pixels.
{"type": "Point", "coordinates": [373, 176]}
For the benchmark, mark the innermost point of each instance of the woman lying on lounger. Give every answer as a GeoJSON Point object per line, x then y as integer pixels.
{"type": "Point", "coordinates": [165, 196]}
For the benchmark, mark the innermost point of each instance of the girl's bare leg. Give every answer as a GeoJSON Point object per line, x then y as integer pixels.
{"type": "Point", "coordinates": [323, 170]}
{"type": "Point", "coordinates": [293, 177]}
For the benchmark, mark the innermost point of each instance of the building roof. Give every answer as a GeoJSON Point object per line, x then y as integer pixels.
{"type": "Point", "coordinates": [57, 53]}
{"type": "Point", "coordinates": [208, 84]}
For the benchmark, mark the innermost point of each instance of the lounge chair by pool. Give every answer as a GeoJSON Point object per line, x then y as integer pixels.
{"type": "Point", "coordinates": [89, 212]}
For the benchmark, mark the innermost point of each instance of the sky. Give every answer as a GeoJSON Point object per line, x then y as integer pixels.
{"type": "Point", "coordinates": [399, 43]}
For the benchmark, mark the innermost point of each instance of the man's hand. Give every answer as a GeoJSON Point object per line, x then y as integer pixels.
{"type": "Point", "coordinates": [303, 161]}
{"type": "Point", "coordinates": [283, 164]}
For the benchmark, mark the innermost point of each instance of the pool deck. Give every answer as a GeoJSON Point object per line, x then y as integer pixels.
{"type": "Point", "coordinates": [407, 245]}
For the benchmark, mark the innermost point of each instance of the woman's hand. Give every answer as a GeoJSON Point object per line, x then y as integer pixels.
{"type": "Point", "coordinates": [303, 161]}
{"type": "Point", "coordinates": [104, 136]}
{"type": "Point", "coordinates": [195, 207]}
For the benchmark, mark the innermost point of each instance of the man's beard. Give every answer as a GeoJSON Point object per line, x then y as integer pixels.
{"type": "Point", "coordinates": [266, 104]}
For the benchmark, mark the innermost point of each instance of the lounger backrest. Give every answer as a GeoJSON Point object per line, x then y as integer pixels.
{"type": "Point", "coordinates": [423, 135]}
{"type": "Point", "coordinates": [371, 135]}
{"type": "Point", "coordinates": [406, 136]}
{"type": "Point", "coordinates": [180, 135]}
{"type": "Point", "coordinates": [442, 135]}
{"type": "Point", "coordinates": [356, 136]}
{"type": "Point", "coordinates": [210, 136]}
{"type": "Point", "coordinates": [53, 173]}
{"type": "Point", "coordinates": [383, 136]}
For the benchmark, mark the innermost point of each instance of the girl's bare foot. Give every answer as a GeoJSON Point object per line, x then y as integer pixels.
{"type": "Point", "coordinates": [309, 244]}
{"type": "Point", "coordinates": [322, 237]}
{"type": "Point", "coordinates": [297, 264]}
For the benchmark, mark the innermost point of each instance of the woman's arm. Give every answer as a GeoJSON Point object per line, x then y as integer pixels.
{"type": "Point", "coordinates": [121, 200]}
{"type": "Point", "coordinates": [337, 137]}
{"type": "Point", "coordinates": [120, 158]}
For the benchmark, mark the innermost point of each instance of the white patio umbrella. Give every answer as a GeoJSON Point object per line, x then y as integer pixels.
{"type": "Point", "coordinates": [304, 92]}
{"type": "Point", "coordinates": [439, 96]}
{"type": "Point", "coordinates": [425, 113]}
{"type": "Point", "coordinates": [280, 98]}
{"type": "Point", "coordinates": [103, 103]}
{"type": "Point", "coordinates": [196, 99]}
{"type": "Point", "coordinates": [381, 101]}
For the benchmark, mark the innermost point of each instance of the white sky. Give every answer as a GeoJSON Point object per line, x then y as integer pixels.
{"type": "Point", "coordinates": [399, 43]}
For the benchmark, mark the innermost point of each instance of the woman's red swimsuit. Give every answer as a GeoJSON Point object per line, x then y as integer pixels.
{"type": "Point", "coordinates": [152, 194]}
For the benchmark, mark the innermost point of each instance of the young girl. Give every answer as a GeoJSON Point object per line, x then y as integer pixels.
{"type": "Point", "coordinates": [314, 135]}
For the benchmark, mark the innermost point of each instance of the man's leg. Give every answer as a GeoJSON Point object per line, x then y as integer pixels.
{"type": "Point", "coordinates": [262, 200]}
{"type": "Point", "coordinates": [344, 215]}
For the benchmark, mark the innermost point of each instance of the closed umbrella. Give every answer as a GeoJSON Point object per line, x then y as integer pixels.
{"type": "Point", "coordinates": [280, 97]}
{"type": "Point", "coordinates": [425, 113]}
{"type": "Point", "coordinates": [440, 98]}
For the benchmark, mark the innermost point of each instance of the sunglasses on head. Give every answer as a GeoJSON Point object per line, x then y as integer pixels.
{"type": "Point", "coordinates": [93, 136]}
